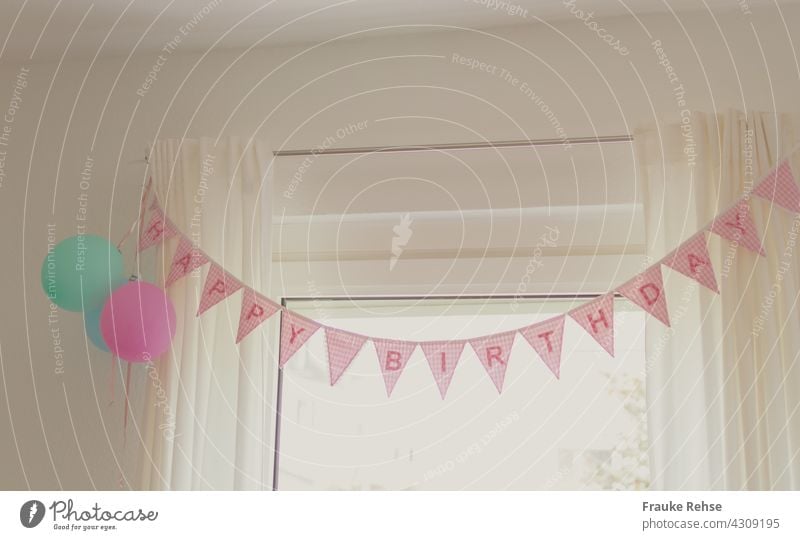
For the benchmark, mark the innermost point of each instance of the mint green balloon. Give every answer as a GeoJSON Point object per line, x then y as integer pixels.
{"type": "Point", "coordinates": [87, 260]}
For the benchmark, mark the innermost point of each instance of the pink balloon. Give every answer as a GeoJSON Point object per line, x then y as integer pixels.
{"type": "Point", "coordinates": [138, 322]}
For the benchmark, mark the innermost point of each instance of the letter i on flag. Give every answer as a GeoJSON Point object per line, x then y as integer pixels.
{"type": "Point", "coordinates": [647, 291]}
{"type": "Point", "coordinates": [219, 285]}
{"type": "Point", "coordinates": [158, 229]}
{"type": "Point", "coordinates": [493, 352]}
{"type": "Point", "coordinates": [393, 357]}
{"type": "Point", "coordinates": [186, 259]}
{"type": "Point", "coordinates": [255, 310]}
{"type": "Point", "coordinates": [546, 338]}
{"type": "Point", "coordinates": [342, 348]}
{"type": "Point", "coordinates": [597, 318]}
{"type": "Point", "coordinates": [443, 358]}
{"type": "Point", "coordinates": [295, 331]}
{"type": "Point", "coordinates": [780, 187]}
{"type": "Point", "coordinates": [692, 260]}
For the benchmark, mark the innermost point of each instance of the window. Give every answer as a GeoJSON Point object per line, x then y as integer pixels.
{"type": "Point", "coordinates": [586, 430]}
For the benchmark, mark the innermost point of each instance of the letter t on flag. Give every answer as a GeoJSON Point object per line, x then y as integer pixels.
{"type": "Point", "coordinates": [597, 318]}
{"type": "Point", "coordinates": [493, 352]}
{"type": "Point", "coordinates": [546, 338]}
{"type": "Point", "coordinates": [393, 357]}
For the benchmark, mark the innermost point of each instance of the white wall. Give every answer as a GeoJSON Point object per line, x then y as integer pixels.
{"type": "Point", "coordinates": [65, 435]}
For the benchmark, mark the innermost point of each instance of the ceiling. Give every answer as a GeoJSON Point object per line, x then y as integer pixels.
{"type": "Point", "coordinates": [38, 30]}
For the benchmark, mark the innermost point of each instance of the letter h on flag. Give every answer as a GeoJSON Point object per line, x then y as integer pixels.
{"type": "Point", "coordinates": [597, 318]}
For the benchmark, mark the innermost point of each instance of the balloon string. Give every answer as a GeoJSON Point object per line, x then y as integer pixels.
{"type": "Point", "coordinates": [142, 209]}
{"type": "Point", "coordinates": [111, 379]}
{"type": "Point", "coordinates": [127, 406]}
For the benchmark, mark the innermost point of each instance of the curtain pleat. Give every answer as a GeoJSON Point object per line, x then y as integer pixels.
{"type": "Point", "coordinates": [205, 421]}
{"type": "Point", "coordinates": [723, 392]}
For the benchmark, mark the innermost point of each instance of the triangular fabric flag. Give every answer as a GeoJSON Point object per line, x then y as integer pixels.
{"type": "Point", "coordinates": [295, 331]}
{"type": "Point", "coordinates": [737, 226]}
{"type": "Point", "coordinates": [647, 291]}
{"type": "Point", "coordinates": [342, 348]}
{"type": "Point", "coordinates": [255, 310]}
{"type": "Point", "coordinates": [692, 260]}
{"type": "Point", "coordinates": [546, 338]}
{"type": "Point", "coordinates": [779, 186]}
{"type": "Point", "coordinates": [493, 352]}
{"type": "Point", "coordinates": [219, 285]}
{"type": "Point", "coordinates": [393, 356]}
{"type": "Point", "coordinates": [186, 258]}
{"type": "Point", "coordinates": [597, 318]}
{"type": "Point", "coordinates": [443, 358]}
{"type": "Point", "coordinates": [158, 229]}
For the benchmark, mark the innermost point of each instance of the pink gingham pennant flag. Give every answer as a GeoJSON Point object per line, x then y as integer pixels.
{"type": "Point", "coordinates": [597, 318]}
{"type": "Point", "coordinates": [393, 356]}
{"type": "Point", "coordinates": [443, 358]}
{"type": "Point", "coordinates": [219, 285]}
{"type": "Point", "coordinates": [736, 225]}
{"type": "Point", "coordinates": [342, 348]}
{"type": "Point", "coordinates": [255, 310]}
{"type": "Point", "coordinates": [647, 291]}
{"type": "Point", "coordinates": [546, 338]}
{"type": "Point", "coordinates": [186, 258]}
{"type": "Point", "coordinates": [779, 186]}
{"type": "Point", "coordinates": [295, 331]}
{"type": "Point", "coordinates": [692, 260]}
{"type": "Point", "coordinates": [158, 229]}
{"type": "Point", "coordinates": [493, 352]}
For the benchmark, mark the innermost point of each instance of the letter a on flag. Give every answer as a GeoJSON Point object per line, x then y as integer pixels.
{"type": "Point", "coordinates": [186, 259]}
{"type": "Point", "coordinates": [692, 260]}
{"type": "Point", "coordinates": [443, 358]}
{"type": "Point", "coordinates": [647, 291]}
{"type": "Point", "coordinates": [493, 352]}
{"type": "Point", "coordinates": [546, 338]}
{"type": "Point", "coordinates": [393, 357]}
{"type": "Point", "coordinates": [295, 331]}
{"type": "Point", "coordinates": [255, 310]}
{"type": "Point", "coordinates": [219, 285]}
{"type": "Point", "coordinates": [597, 318]}
{"type": "Point", "coordinates": [342, 348]}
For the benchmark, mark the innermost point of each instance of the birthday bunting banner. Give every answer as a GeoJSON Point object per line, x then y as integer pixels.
{"type": "Point", "coordinates": [595, 317]}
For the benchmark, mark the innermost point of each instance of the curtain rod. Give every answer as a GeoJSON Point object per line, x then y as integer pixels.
{"type": "Point", "coordinates": [520, 143]}
{"type": "Point", "coordinates": [455, 146]}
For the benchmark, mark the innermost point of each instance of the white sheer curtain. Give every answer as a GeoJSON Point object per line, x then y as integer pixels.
{"type": "Point", "coordinates": [205, 424]}
{"type": "Point", "coordinates": [723, 394]}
